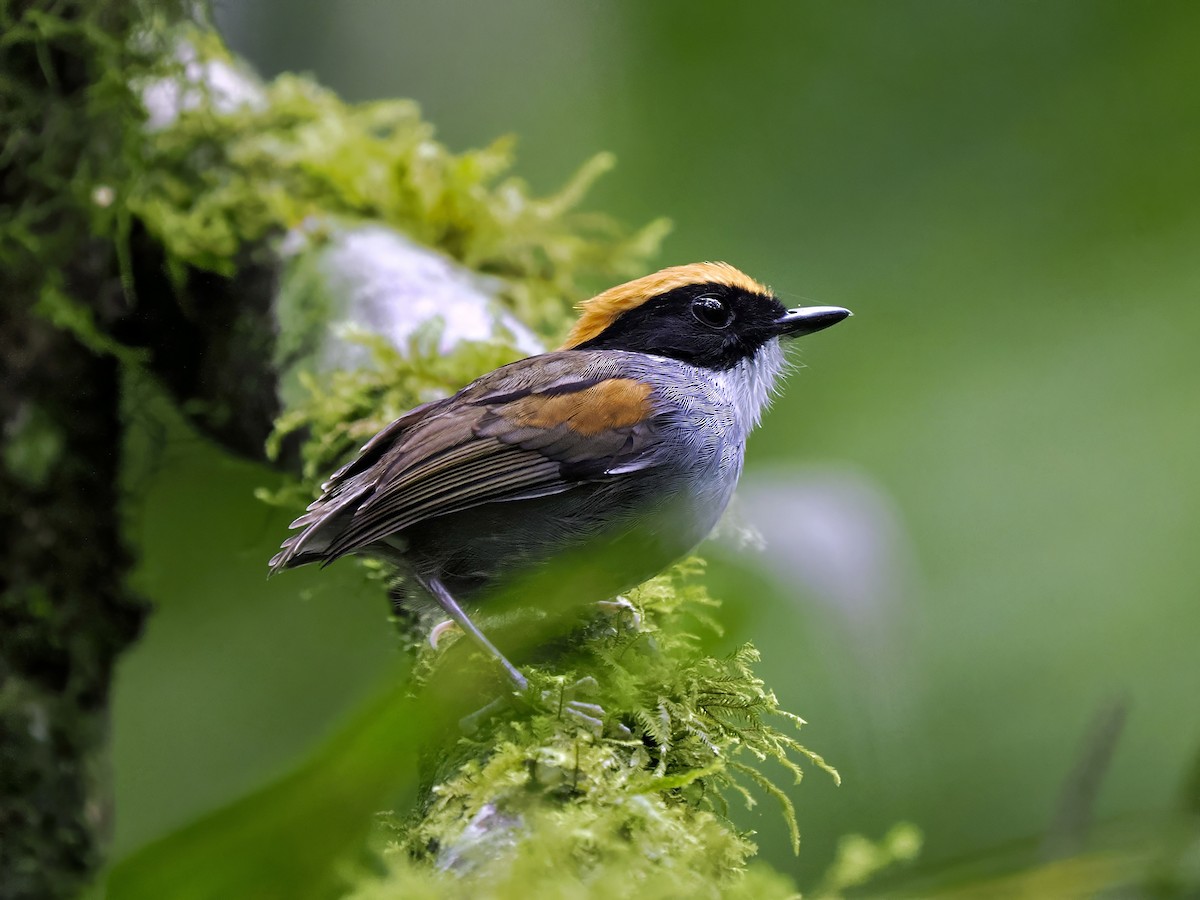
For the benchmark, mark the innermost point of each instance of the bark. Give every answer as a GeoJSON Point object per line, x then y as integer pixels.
{"type": "Point", "coordinates": [210, 343]}
{"type": "Point", "coordinates": [65, 610]}
{"type": "Point", "coordinates": [66, 613]}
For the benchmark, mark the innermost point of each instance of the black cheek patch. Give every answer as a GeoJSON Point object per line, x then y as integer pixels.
{"type": "Point", "coordinates": [665, 326]}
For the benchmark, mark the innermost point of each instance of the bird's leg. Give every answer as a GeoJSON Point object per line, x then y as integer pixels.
{"type": "Point", "coordinates": [450, 606]}
{"type": "Point", "coordinates": [470, 723]}
{"type": "Point", "coordinates": [589, 715]}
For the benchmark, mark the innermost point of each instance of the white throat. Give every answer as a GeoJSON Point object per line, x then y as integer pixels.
{"type": "Point", "coordinates": [750, 384]}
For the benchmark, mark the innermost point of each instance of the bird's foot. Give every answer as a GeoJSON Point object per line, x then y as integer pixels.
{"type": "Point", "coordinates": [438, 631]}
{"type": "Point", "coordinates": [565, 700]}
{"type": "Point", "coordinates": [469, 724]}
{"type": "Point", "coordinates": [590, 716]}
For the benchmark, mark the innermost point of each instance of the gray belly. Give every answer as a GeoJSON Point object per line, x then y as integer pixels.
{"type": "Point", "coordinates": [616, 533]}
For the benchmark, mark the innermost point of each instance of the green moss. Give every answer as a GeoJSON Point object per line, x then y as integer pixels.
{"type": "Point", "coordinates": [63, 311]}
{"type": "Point", "coordinates": [217, 181]}
{"type": "Point", "coordinates": [32, 447]}
{"type": "Point", "coordinates": [70, 138]}
{"type": "Point", "coordinates": [342, 409]}
{"type": "Point", "coordinates": [584, 852]}
{"type": "Point", "coordinates": [220, 179]}
{"type": "Point", "coordinates": [564, 811]}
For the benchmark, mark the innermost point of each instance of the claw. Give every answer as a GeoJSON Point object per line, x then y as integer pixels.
{"type": "Point", "coordinates": [436, 632]}
{"type": "Point", "coordinates": [589, 715]}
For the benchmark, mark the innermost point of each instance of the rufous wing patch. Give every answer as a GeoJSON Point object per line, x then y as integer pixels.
{"type": "Point", "coordinates": [606, 406]}
{"type": "Point", "coordinates": [599, 312]}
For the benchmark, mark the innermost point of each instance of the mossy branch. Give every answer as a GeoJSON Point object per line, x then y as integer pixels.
{"type": "Point", "coordinates": [540, 801]}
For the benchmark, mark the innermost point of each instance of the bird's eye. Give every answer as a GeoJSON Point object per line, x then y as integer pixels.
{"type": "Point", "coordinates": [712, 311]}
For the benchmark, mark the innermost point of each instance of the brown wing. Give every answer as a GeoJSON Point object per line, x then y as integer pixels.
{"type": "Point", "coordinates": [537, 427]}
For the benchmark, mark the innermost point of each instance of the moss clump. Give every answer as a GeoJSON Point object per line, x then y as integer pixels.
{"type": "Point", "coordinates": [70, 143]}
{"type": "Point", "coordinates": [224, 175]}
{"type": "Point", "coordinates": [345, 408]}
{"type": "Point", "coordinates": [541, 801]}
{"type": "Point", "coordinates": [672, 853]}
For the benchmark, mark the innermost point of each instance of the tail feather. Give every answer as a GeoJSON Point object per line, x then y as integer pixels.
{"type": "Point", "coordinates": [341, 496]}
{"type": "Point", "coordinates": [322, 524]}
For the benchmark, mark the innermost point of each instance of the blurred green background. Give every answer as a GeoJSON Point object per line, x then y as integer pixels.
{"type": "Point", "coordinates": [1008, 197]}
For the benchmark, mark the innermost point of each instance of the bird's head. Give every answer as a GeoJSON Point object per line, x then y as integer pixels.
{"type": "Point", "coordinates": [708, 315]}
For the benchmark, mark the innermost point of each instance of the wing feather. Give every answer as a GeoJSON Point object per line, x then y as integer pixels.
{"type": "Point", "coordinates": [530, 429]}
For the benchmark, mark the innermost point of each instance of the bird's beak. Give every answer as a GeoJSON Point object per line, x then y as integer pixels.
{"type": "Point", "coordinates": [809, 319]}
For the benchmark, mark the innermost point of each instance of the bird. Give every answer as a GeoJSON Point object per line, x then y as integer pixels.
{"type": "Point", "coordinates": [628, 440]}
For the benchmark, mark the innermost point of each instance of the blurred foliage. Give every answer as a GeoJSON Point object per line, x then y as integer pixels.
{"type": "Point", "coordinates": [858, 859]}
{"type": "Point", "coordinates": [284, 840]}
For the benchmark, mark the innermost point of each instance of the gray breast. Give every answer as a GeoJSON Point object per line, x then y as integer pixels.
{"type": "Point", "coordinates": [641, 521]}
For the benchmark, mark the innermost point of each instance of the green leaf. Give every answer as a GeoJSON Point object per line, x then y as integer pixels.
{"type": "Point", "coordinates": [289, 839]}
